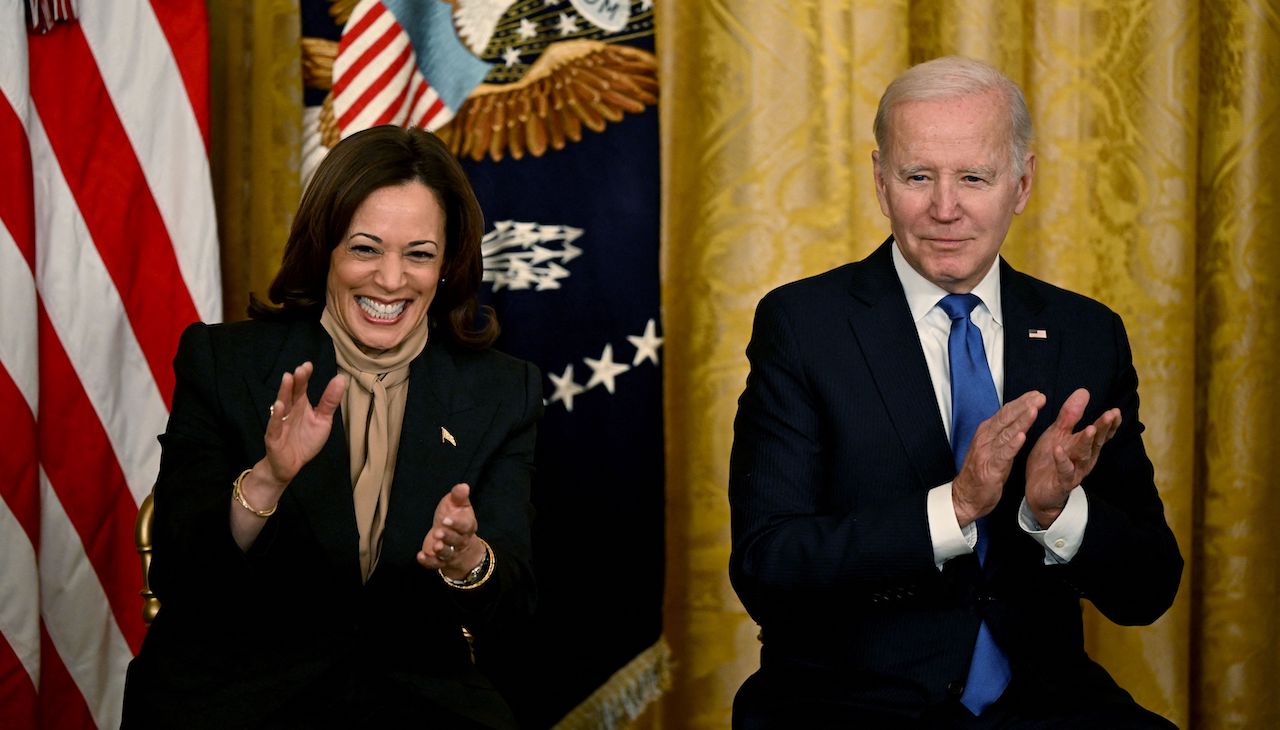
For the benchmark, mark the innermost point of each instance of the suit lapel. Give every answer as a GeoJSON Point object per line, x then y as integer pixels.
{"type": "Point", "coordinates": [1031, 343]}
{"type": "Point", "coordinates": [322, 489]}
{"type": "Point", "coordinates": [882, 325]}
{"type": "Point", "coordinates": [1031, 346]}
{"type": "Point", "coordinates": [442, 429]}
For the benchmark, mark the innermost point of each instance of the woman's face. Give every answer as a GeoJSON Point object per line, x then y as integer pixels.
{"type": "Point", "coordinates": [384, 272]}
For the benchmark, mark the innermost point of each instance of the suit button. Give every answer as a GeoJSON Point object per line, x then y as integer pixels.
{"type": "Point", "coordinates": [956, 688]}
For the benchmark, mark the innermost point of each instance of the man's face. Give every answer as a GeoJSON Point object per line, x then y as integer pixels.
{"type": "Point", "coordinates": [949, 187]}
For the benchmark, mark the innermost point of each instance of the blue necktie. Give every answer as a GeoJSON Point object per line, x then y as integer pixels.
{"type": "Point", "coordinates": [973, 400]}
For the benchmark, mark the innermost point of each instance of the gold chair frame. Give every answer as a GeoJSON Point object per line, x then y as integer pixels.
{"type": "Point", "coordinates": [142, 541]}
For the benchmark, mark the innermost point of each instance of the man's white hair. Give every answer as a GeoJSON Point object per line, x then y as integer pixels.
{"type": "Point", "coordinates": [950, 77]}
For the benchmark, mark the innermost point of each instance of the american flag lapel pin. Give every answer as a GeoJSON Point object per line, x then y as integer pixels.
{"type": "Point", "coordinates": [1035, 334]}
{"type": "Point", "coordinates": [446, 436]}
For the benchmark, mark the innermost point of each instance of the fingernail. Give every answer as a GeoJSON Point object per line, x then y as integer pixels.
{"type": "Point", "coordinates": [448, 521]}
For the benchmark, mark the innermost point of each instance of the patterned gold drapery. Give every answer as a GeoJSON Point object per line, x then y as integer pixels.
{"type": "Point", "coordinates": [1157, 126]}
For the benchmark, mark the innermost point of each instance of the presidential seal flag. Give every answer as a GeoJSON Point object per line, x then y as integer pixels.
{"type": "Point", "coordinates": [107, 250]}
{"type": "Point", "coordinates": [551, 104]}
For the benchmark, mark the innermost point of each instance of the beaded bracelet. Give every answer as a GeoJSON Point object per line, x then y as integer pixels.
{"type": "Point", "coordinates": [235, 493]}
{"type": "Point", "coordinates": [478, 576]}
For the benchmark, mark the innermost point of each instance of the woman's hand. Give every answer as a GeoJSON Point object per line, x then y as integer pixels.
{"type": "Point", "coordinates": [296, 431]}
{"type": "Point", "coordinates": [451, 545]}
{"type": "Point", "coordinates": [295, 434]}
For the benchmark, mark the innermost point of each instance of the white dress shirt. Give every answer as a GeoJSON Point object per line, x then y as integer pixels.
{"type": "Point", "coordinates": [1062, 539]}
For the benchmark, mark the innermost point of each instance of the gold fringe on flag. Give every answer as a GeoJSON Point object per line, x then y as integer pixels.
{"type": "Point", "coordinates": [626, 694]}
{"type": "Point", "coordinates": [43, 14]}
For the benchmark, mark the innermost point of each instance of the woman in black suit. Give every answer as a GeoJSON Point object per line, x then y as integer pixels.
{"type": "Point", "coordinates": [322, 571]}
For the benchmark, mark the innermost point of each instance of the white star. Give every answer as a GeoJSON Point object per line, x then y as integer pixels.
{"type": "Point", "coordinates": [551, 3]}
{"type": "Point", "coordinates": [527, 30]}
{"type": "Point", "coordinates": [567, 25]}
{"type": "Point", "coordinates": [566, 389]}
{"type": "Point", "coordinates": [646, 5]}
{"type": "Point", "coordinates": [646, 345]}
{"type": "Point", "coordinates": [605, 369]}
{"type": "Point", "coordinates": [511, 56]}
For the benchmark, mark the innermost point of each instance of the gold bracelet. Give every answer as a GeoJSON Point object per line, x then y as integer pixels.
{"type": "Point", "coordinates": [478, 576]}
{"type": "Point", "coordinates": [235, 493]}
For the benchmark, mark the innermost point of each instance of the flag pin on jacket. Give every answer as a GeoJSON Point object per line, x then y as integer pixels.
{"type": "Point", "coordinates": [1038, 334]}
{"type": "Point", "coordinates": [446, 436]}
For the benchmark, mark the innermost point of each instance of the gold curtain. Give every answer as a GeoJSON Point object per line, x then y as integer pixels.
{"type": "Point", "coordinates": [255, 79]}
{"type": "Point", "coordinates": [1157, 124]}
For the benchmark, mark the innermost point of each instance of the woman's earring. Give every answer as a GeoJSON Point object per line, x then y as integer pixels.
{"type": "Point", "coordinates": [442, 280]}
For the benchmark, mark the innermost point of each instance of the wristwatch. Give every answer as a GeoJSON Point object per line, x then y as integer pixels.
{"type": "Point", "coordinates": [478, 575]}
{"type": "Point", "coordinates": [477, 571]}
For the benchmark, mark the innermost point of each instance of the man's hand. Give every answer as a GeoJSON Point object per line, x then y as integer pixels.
{"type": "Point", "coordinates": [977, 488]}
{"type": "Point", "coordinates": [1060, 460]}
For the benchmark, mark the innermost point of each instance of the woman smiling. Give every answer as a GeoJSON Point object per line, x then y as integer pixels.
{"type": "Point", "coordinates": [343, 498]}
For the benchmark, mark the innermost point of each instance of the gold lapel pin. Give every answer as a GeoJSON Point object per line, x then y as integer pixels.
{"type": "Point", "coordinates": [446, 436]}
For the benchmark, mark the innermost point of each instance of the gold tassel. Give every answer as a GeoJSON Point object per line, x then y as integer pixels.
{"type": "Point", "coordinates": [42, 15]}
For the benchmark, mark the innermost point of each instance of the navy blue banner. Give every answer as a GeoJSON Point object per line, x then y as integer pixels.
{"type": "Point", "coordinates": [560, 140]}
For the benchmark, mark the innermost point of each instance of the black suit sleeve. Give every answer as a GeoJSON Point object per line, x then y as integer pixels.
{"type": "Point", "coordinates": [195, 554]}
{"type": "Point", "coordinates": [1128, 564]}
{"type": "Point", "coordinates": [795, 531]}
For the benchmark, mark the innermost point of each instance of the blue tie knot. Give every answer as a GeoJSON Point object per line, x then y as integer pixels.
{"type": "Point", "coordinates": [958, 306]}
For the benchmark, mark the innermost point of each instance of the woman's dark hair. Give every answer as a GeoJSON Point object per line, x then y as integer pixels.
{"type": "Point", "coordinates": [357, 166]}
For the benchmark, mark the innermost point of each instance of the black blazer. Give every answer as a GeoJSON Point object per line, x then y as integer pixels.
{"type": "Point", "coordinates": [837, 441]}
{"type": "Point", "coordinates": [287, 634]}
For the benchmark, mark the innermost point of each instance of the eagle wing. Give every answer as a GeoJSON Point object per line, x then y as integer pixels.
{"type": "Point", "coordinates": [572, 84]}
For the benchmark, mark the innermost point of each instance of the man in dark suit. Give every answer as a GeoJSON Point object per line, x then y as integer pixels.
{"type": "Point", "coordinates": [937, 457]}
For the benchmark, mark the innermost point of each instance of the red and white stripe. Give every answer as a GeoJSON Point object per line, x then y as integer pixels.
{"type": "Point", "coordinates": [376, 79]}
{"type": "Point", "coordinates": [108, 249]}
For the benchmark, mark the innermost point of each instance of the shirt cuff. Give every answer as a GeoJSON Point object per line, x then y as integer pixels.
{"type": "Point", "coordinates": [1062, 540]}
{"type": "Point", "coordinates": [949, 540]}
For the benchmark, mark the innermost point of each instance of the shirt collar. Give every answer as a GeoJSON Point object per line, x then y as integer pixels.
{"type": "Point", "coordinates": [923, 295]}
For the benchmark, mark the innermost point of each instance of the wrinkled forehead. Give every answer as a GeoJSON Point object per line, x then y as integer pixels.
{"type": "Point", "coordinates": [976, 122]}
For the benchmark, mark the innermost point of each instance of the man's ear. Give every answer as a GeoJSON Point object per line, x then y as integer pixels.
{"type": "Point", "coordinates": [1024, 182]}
{"type": "Point", "coordinates": [877, 175]}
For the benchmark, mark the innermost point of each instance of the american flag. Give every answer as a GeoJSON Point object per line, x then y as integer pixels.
{"type": "Point", "coordinates": [378, 76]}
{"type": "Point", "coordinates": [108, 248]}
